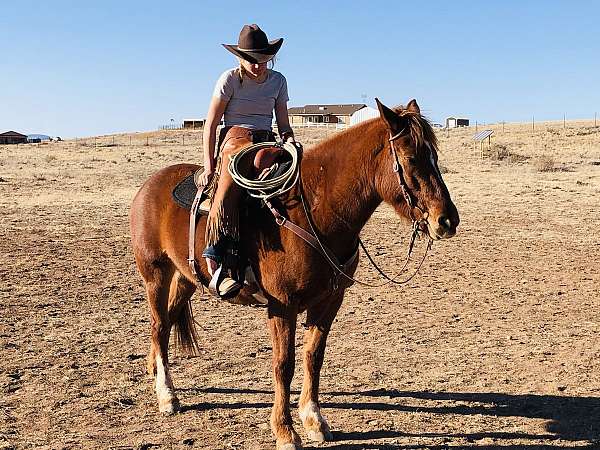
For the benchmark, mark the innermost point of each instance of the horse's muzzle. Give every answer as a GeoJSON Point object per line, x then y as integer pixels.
{"type": "Point", "coordinates": [444, 227]}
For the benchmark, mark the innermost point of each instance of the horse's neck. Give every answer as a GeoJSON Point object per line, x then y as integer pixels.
{"type": "Point", "coordinates": [338, 179]}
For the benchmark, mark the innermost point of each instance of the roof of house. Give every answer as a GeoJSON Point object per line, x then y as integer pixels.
{"type": "Point", "coordinates": [338, 110]}
{"type": "Point", "coordinates": [12, 134]}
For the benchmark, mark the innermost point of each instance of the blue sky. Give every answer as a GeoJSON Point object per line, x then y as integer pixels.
{"type": "Point", "coordinates": [80, 68]}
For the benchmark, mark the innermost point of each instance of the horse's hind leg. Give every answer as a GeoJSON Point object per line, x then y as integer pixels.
{"type": "Point", "coordinates": [158, 276]}
{"type": "Point", "coordinates": [180, 313]}
{"type": "Point", "coordinates": [319, 319]}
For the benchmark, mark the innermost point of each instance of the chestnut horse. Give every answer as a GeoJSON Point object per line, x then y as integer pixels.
{"type": "Point", "coordinates": [343, 180]}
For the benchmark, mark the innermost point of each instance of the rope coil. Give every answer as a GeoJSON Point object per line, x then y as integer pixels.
{"type": "Point", "coordinates": [273, 187]}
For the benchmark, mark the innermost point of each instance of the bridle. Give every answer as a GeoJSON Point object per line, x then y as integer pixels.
{"type": "Point", "coordinates": [397, 168]}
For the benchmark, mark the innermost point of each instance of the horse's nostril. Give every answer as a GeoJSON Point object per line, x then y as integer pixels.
{"type": "Point", "coordinates": [445, 223]}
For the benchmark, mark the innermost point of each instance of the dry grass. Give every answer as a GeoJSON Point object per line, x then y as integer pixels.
{"type": "Point", "coordinates": [545, 164]}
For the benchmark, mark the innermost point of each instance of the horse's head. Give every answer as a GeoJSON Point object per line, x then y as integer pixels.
{"type": "Point", "coordinates": [409, 177]}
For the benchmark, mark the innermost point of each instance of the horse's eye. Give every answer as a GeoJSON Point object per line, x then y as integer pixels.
{"type": "Point", "coordinates": [415, 183]}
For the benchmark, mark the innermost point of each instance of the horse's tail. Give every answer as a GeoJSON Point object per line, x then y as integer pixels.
{"type": "Point", "coordinates": [186, 336]}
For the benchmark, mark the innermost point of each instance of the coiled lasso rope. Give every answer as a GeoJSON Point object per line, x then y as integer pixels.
{"type": "Point", "coordinates": [267, 189]}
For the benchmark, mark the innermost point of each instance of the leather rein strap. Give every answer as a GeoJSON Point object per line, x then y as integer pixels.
{"type": "Point", "coordinates": [340, 269]}
{"type": "Point", "coordinates": [192, 236]}
{"type": "Point", "coordinates": [310, 239]}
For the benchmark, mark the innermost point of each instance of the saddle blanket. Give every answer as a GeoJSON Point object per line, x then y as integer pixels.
{"type": "Point", "coordinates": [185, 192]}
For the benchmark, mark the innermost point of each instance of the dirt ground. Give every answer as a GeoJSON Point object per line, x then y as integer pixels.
{"type": "Point", "coordinates": [494, 345]}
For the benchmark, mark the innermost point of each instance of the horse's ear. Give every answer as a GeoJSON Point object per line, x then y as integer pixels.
{"type": "Point", "coordinates": [413, 107]}
{"type": "Point", "coordinates": [391, 119]}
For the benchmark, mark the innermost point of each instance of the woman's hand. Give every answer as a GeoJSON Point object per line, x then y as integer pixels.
{"type": "Point", "coordinates": [205, 176]}
{"type": "Point", "coordinates": [288, 136]}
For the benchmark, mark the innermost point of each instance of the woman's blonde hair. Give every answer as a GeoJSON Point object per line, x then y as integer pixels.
{"type": "Point", "coordinates": [242, 71]}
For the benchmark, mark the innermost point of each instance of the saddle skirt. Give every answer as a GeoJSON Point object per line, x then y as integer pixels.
{"type": "Point", "coordinates": [186, 190]}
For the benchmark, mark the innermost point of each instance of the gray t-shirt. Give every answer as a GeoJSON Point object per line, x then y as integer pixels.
{"type": "Point", "coordinates": [250, 104]}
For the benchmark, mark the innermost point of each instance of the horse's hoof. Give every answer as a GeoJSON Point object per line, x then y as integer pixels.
{"type": "Point", "coordinates": [289, 447]}
{"type": "Point", "coordinates": [319, 436]}
{"type": "Point", "coordinates": [168, 408]}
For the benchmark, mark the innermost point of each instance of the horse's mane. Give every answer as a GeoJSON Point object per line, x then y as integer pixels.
{"type": "Point", "coordinates": [420, 129]}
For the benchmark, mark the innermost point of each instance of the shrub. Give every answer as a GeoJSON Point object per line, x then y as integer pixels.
{"type": "Point", "coordinates": [545, 164]}
{"type": "Point", "coordinates": [500, 152]}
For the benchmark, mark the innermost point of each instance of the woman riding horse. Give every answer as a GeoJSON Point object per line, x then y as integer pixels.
{"type": "Point", "coordinates": [246, 96]}
{"type": "Point", "coordinates": [391, 159]}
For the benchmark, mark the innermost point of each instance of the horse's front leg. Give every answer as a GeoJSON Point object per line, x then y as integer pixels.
{"type": "Point", "coordinates": [282, 325]}
{"type": "Point", "coordinates": [318, 319]}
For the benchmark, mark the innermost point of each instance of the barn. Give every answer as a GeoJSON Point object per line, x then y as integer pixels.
{"type": "Point", "coordinates": [455, 122]}
{"type": "Point", "coordinates": [363, 114]}
{"type": "Point", "coordinates": [12, 137]}
{"type": "Point", "coordinates": [323, 114]}
{"type": "Point", "coordinates": [193, 124]}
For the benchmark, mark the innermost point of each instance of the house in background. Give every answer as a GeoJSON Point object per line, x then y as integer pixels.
{"type": "Point", "coordinates": [12, 137]}
{"type": "Point", "coordinates": [455, 122]}
{"type": "Point", "coordinates": [323, 114]}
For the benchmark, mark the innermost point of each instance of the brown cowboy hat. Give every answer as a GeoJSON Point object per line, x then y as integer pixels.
{"type": "Point", "coordinates": [253, 45]}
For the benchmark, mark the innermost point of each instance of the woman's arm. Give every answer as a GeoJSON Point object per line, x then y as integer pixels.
{"type": "Point", "coordinates": [283, 122]}
{"type": "Point", "coordinates": [213, 118]}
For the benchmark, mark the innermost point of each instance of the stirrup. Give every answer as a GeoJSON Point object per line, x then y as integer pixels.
{"type": "Point", "coordinates": [222, 285]}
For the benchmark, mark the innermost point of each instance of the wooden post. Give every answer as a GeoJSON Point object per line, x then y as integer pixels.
{"type": "Point", "coordinates": [503, 126]}
{"type": "Point", "coordinates": [476, 126]}
{"type": "Point", "coordinates": [532, 123]}
{"type": "Point", "coordinates": [146, 141]}
{"type": "Point", "coordinates": [130, 141]}
{"type": "Point", "coordinates": [183, 139]}
{"type": "Point", "coordinates": [595, 114]}
{"type": "Point", "coordinates": [113, 141]}
{"type": "Point", "coordinates": [95, 143]}
{"type": "Point", "coordinates": [564, 121]}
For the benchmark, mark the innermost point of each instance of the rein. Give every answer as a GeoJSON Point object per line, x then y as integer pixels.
{"type": "Point", "coordinates": [340, 269]}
